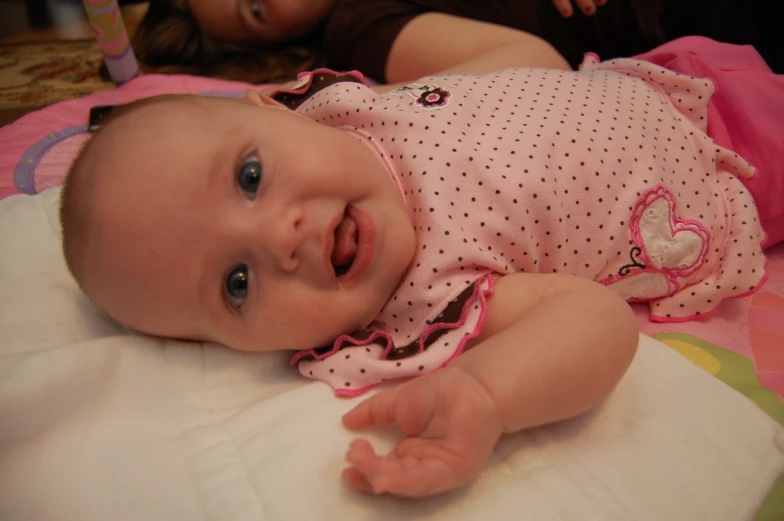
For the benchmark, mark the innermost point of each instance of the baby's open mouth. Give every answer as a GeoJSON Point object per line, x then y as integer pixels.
{"type": "Point", "coordinates": [346, 240]}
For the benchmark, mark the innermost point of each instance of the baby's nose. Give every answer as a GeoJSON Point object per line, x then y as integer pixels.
{"type": "Point", "coordinates": [286, 239]}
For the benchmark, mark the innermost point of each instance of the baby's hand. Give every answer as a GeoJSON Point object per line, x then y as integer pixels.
{"type": "Point", "coordinates": [451, 424]}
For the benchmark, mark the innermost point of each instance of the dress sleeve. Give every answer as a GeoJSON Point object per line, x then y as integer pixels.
{"type": "Point", "coordinates": [360, 33]}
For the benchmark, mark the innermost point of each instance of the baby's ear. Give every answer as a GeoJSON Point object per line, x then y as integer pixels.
{"type": "Point", "coordinates": [262, 100]}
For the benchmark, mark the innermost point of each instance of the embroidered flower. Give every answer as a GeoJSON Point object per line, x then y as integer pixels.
{"type": "Point", "coordinates": [434, 97]}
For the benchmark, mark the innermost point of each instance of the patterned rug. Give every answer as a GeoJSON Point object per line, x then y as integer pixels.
{"type": "Point", "coordinates": [34, 75]}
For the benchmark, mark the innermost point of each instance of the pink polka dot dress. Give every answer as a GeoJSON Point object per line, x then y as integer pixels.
{"type": "Point", "coordinates": [606, 173]}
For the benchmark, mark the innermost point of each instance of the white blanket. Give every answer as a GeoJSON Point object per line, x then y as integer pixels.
{"type": "Point", "coordinates": [97, 423]}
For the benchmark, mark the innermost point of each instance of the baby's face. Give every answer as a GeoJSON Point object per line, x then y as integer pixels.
{"type": "Point", "coordinates": [259, 20]}
{"type": "Point", "coordinates": [247, 225]}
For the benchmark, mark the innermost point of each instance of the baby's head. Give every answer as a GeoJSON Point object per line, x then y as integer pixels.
{"type": "Point", "coordinates": [234, 221]}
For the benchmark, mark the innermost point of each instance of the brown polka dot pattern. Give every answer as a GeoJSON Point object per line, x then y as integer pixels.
{"type": "Point", "coordinates": [541, 171]}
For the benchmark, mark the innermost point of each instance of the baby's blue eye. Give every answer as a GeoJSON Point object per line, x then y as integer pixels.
{"type": "Point", "coordinates": [249, 176]}
{"type": "Point", "coordinates": [237, 285]}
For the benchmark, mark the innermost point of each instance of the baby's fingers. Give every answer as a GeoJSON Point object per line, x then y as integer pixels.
{"type": "Point", "coordinates": [354, 477]}
{"type": "Point", "coordinates": [376, 410]}
{"type": "Point", "coordinates": [374, 474]}
{"type": "Point", "coordinates": [396, 474]}
{"type": "Point", "coordinates": [360, 454]}
{"type": "Point", "coordinates": [366, 465]}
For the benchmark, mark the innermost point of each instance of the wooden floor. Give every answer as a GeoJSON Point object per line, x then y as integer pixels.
{"type": "Point", "coordinates": [53, 20]}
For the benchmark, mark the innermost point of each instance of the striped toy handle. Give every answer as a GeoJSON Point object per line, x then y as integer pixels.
{"type": "Point", "coordinates": [109, 29]}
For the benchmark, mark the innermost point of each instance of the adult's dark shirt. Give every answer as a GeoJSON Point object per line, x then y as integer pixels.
{"type": "Point", "coordinates": [359, 33]}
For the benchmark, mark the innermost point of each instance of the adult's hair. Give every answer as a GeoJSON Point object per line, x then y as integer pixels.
{"type": "Point", "coordinates": [169, 40]}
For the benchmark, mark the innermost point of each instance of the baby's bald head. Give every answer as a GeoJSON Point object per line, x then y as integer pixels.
{"type": "Point", "coordinates": [92, 167]}
{"type": "Point", "coordinates": [123, 201]}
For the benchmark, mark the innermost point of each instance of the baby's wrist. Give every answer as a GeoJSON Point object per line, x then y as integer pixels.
{"type": "Point", "coordinates": [489, 410]}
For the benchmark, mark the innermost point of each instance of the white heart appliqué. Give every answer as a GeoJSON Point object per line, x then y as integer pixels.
{"type": "Point", "coordinates": [673, 245]}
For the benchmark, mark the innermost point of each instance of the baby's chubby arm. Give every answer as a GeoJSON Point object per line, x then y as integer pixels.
{"type": "Point", "coordinates": [553, 346]}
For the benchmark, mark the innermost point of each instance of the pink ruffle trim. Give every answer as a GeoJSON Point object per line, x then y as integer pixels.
{"type": "Point", "coordinates": [478, 294]}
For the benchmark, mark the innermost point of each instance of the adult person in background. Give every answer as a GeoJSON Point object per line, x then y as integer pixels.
{"type": "Point", "coordinates": [394, 41]}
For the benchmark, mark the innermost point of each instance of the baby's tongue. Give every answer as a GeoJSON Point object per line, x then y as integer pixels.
{"type": "Point", "coordinates": [345, 242]}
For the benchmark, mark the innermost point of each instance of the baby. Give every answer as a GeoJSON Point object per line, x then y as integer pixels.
{"type": "Point", "coordinates": [483, 232]}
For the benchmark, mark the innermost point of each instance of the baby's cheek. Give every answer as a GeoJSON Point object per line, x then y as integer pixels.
{"type": "Point", "coordinates": [321, 329]}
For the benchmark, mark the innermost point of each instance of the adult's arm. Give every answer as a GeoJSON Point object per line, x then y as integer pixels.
{"type": "Point", "coordinates": [412, 38]}
{"type": "Point", "coordinates": [436, 43]}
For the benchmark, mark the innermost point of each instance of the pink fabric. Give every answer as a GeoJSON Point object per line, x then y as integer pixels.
{"type": "Point", "coordinates": [746, 114]}
{"type": "Point", "coordinates": [751, 327]}
{"type": "Point", "coordinates": [42, 144]}
{"type": "Point", "coordinates": [533, 170]}
{"type": "Point", "coordinates": [353, 366]}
